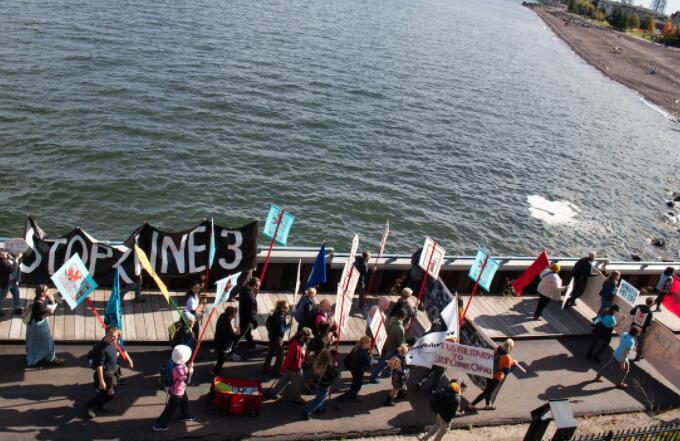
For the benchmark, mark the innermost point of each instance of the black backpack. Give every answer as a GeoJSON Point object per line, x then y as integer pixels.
{"type": "Point", "coordinates": [436, 399]}
{"type": "Point", "coordinates": [347, 362]}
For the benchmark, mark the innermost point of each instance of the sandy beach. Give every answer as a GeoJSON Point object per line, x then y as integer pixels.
{"type": "Point", "coordinates": [621, 57]}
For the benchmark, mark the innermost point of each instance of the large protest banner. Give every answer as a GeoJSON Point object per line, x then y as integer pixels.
{"type": "Point", "coordinates": [425, 349]}
{"type": "Point", "coordinates": [343, 300]}
{"type": "Point", "coordinates": [469, 359]}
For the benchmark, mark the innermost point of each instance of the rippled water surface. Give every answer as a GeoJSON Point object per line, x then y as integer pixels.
{"type": "Point", "coordinates": [443, 116]}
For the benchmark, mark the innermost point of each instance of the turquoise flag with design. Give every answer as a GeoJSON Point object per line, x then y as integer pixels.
{"type": "Point", "coordinates": [211, 253]}
{"type": "Point", "coordinates": [113, 314]}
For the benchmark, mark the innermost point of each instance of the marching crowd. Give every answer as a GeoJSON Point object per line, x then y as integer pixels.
{"type": "Point", "coordinates": [313, 345]}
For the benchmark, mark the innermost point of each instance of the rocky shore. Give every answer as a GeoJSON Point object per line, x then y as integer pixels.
{"type": "Point", "coordinates": [623, 58]}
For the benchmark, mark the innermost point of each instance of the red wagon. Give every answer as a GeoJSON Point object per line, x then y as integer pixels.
{"type": "Point", "coordinates": [235, 395]}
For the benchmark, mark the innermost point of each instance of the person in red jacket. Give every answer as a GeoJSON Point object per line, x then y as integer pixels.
{"type": "Point", "coordinates": [291, 369]}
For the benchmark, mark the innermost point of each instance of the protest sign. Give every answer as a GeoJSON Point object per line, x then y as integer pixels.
{"type": "Point", "coordinates": [73, 281]}
{"type": "Point", "coordinates": [425, 349]}
{"type": "Point", "coordinates": [223, 288]}
{"type": "Point", "coordinates": [628, 292]}
{"type": "Point", "coordinates": [272, 223]}
{"type": "Point", "coordinates": [377, 327]}
{"type": "Point", "coordinates": [469, 359]}
{"type": "Point", "coordinates": [432, 257]}
{"type": "Point", "coordinates": [450, 316]}
{"type": "Point", "coordinates": [343, 300]}
{"type": "Point", "coordinates": [488, 269]}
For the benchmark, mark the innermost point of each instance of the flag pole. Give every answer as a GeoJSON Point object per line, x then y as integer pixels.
{"type": "Point", "coordinates": [422, 287]}
{"type": "Point", "coordinates": [205, 292]}
{"type": "Point", "coordinates": [101, 322]}
{"type": "Point", "coordinates": [271, 246]}
{"type": "Point", "coordinates": [200, 340]}
{"type": "Point", "coordinates": [474, 289]}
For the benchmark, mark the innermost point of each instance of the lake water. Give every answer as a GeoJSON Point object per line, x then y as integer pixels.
{"type": "Point", "coordinates": [445, 117]}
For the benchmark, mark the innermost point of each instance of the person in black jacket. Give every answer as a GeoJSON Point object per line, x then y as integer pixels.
{"type": "Point", "coordinates": [603, 327]}
{"type": "Point", "coordinates": [642, 318]}
{"type": "Point", "coordinates": [359, 360]}
{"type": "Point", "coordinates": [445, 402]}
{"type": "Point", "coordinates": [403, 304]}
{"type": "Point", "coordinates": [276, 328]}
{"type": "Point", "coordinates": [361, 264]}
{"type": "Point", "coordinates": [583, 269]}
{"type": "Point", "coordinates": [247, 310]}
{"type": "Point", "coordinates": [225, 338]}
{"type": "Point", "coordinates": [325, 373]}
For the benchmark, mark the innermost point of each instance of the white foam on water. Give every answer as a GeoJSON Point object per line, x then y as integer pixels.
{"type": "Point", "coordinates": [657, 108]}
{"type": "Point", "coordinates": [552, 212]}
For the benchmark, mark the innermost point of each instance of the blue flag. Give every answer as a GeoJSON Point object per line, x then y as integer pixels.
{"type": "Point", "coordinates": [211, 254]}
{"type": "Point", "coordinates": [113, 314]}
{"type": "Point", "coordinates": [318, 275]}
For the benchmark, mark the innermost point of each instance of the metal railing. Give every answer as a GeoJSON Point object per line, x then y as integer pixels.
{"type": "Point", "coordinates": [663, 432]}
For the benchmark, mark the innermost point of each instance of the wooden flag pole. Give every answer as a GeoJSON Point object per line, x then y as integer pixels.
{"type": "Point", "coordinates": [422, 287]}
{"type": "Point", "coordinates": [271, 246]}
{"type": "Point", "coordinates": [101, 322]}
{"type": "Point", "coordinates": [474, 289]}
{"type": "Point", "coordinates": [200, 340]}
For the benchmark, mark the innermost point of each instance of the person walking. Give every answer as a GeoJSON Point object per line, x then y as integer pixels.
{"type": "Point", "coordinates": [503, 365]}
{"type": "Point", "coordinates": [608, 291]}
{"type": "Point", "coordinates": [583, 270]}
{"type": "Point", "coordinates": [403, 304]}
{"type": "Point", "coordinates": [642, 318]}
{"type": "Point", "coordinates": [603, 328]}
{"type": "Point", "coordinates": [435, 373]}
{"type": "Point", "coordinates": [620, 357]}
{"type": "Point", "coordinates": [177, 394]}
{"type": "Point", "coordinates": [361, 264]}
{"type": "Point", "coordinates": [357, 361]}
{"type": "Point", "coordinates": [103, 358]}
{"type": "Point", "coordinates": [400, 373]}
{"type": "Point", "coordinates": [9, 280]}
{"type": "Point", "coordinates": [225, 339]}
{"type": "Point", "coordinates": [291, 369]}
{"type": "Point", "coordinates": [445, 403]}
{"type": "Point", "coordinates": [323, 328]}
{"type": "Point", "coordinates": [396, 334]}
{"type": "Point", "coordinates": [39, 342]}
{"type": "Point", "coordinates": [194, 303]}
{"type": "Point", "coordinates": [549, 288]}
{"type": "Point", "coordinates": [305, 310]}
{"type": "Point", "coordinates": [325, 374]}
{"type": "Point", "coordinates": [185, 334]}
{"type": "Point", "coordinates": [247, 310]}
{"type": "Point", "coordinates": [276, 328]}
{"type": "Point", "coordinates": [663, 286]}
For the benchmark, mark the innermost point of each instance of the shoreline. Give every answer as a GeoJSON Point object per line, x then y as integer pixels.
{"type": "Point", "coordinates": [629, 65]}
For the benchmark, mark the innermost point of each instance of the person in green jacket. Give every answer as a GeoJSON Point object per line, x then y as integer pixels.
{"type": "Point", "coordinates": [396, 335]}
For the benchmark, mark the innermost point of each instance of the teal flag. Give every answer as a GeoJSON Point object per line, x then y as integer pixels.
{"type": "Point", "coordinates": [283, 229]}
{"type": "Point", "coordinates": [113, 314]}
{"type": "Point", "coordinates": [211, 254]}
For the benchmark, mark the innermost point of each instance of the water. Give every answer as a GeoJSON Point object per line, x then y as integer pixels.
{"type": "Point", "coordinates": [443, 116]}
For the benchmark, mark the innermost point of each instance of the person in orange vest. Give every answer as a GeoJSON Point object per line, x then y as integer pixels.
{"type": "Point", "coordinates": [503, 365]}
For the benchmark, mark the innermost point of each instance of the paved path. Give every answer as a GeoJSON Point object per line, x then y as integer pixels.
{"type": "Point", "coordinates": [46, 404]}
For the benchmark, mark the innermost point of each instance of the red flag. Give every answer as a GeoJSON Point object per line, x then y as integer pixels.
{"type": "Point", "coordinates": [672, 300]}
{"type": "Point", "coordinates": [534, 269]}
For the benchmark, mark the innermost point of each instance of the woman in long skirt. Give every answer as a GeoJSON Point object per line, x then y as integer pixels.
{"type": "Point", "coordinates": [39, 343]}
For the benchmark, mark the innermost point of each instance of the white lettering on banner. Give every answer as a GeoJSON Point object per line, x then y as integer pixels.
{"type": "Point", "coordinates": [121, 271]}
{"type": "Point", "coordinates": [195, 249]}
{"type": "Point", "coordinates": [424, 350]}
{"type": "Point", "coordinates": [177, 253]}
{"type": "Point", "coordinates": [469, 359]}
{"type": "Point", "coordinates": [83, 245]}
{"type": "Point", "coordinates": [235, 247]}
{"type": "Point", "coordinates": [154, 250]}
{"type": "Point", "coordinates": [53, 250]}
{"type": "Point", "coordinates": [38, 257]}
{"type": "Point", "coordinates": [108, 252]}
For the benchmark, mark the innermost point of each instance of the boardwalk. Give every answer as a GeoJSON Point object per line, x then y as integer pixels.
{"type": "Point", "coordinates": [148, 322]}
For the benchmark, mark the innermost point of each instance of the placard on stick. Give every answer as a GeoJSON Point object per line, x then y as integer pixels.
{"type": "Point", "coordinates": [377, 327]}
{"type": "Point", "coordinates": [436, 252]}
{"type": "Point", "coordinates": [273, 219]}
{"type": "Point", "coordinates": [73, 281]}
{"type": "Point", "coordinates": [628, 292]}
{"type": "Point", "coordinates": [343, 300]}
{"type": "Point", "coordinates": [489, 269]}
{"type": "Point", "coordinates": [469, 359]}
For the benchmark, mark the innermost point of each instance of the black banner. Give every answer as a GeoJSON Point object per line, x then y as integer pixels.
{"type": "Point", "coordinates": [182, 254]}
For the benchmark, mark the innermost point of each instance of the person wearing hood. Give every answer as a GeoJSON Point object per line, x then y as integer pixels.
{"type": "Point", "coordinates": [549, 288]}
{"type": "Point", "coordinates": [177, 398]}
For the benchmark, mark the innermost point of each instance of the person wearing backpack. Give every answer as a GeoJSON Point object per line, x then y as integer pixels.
{"type": "Point", "coordinates": [305, 310]}
{"type": "Point", "coordinates": [403, 304]}
{"type": "Point", "coordinates": [103, 359]}
{"type": "Point", "coordinates": [357, 362]}
{"type": "Point", "coordinates": [185, 334]}
{"type": "Point", "coordinates": [326, 373]}
{"type": "Point", "coordinates": [445, 402]}
{"type": "Point", "coordinates": [225, 339]}
{"type": "Point", "coordinates": [39, 342]}
{"type": "Point", "coordinates": [603, 327]}
{"type": "Point", "coordinates": [177, 395]}
{"type": "Point", "coordinates": [276, 328]}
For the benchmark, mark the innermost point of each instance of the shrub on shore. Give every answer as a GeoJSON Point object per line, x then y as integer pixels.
{"type": "Point", "coordinates": [670, 34]}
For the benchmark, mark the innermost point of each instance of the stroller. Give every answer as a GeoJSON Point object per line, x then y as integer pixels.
{"type": "Point", "coordinates": [235, 395]}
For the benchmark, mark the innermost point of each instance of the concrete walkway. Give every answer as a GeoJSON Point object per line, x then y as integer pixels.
{"type": "Point", "coordinates": [47, 403]}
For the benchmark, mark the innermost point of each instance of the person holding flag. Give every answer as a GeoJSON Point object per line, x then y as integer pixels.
{"type": "Point", "coordinates": [194, 303]}
{"type": "Point", "coordinates": [247, 310]}
{"type": "Point", "coordinates": [39, 343]}
{"type": "Point", "coordinates": [113, 316]}
{"type": "Point", "coordinates": [225, 339]}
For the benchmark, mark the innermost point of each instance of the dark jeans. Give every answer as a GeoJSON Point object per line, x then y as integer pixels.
{"type": "Point", "coordinates": [221, 356]}
{"type": "Point", "coordinates": [248, 334]}
{"type": "Point", "coordinates": [435, 374]}
{"type": "Point", "coordinates": [579, 289]}
{"type": "Point", "coordinates": [275, 348]}
{"type": "Point", "coordinates": [173, 403]}
{"type": "Point", "coordinates": [353, 392]}
{"type": "Point", "coordinates": [640, 345]}
{"type": "Point", "coordinates": [543, 301]}
{"type": "Point", "coordinates": [382, 363]}
{"type": "Point", "coordinates": [104, 396]}
{"type": "Point", "coordinates": [659, 300]}
{"type": "Point", "coordinates": [598, 345]}
{"type": "Point", "coordinates": [491, 384]}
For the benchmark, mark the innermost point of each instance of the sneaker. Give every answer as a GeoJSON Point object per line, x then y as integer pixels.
{"type": "Point", "coordinates": [18, 311]}
{"type": "Point", "coordinates": [189, 419]}
{"type": "Point", "coordinates": [89, 414]}
{"type": "Point", "coordinates": [390, 403]}
{"type": "Point", "coordinates": [157, 428]}
{"type": "Point", "coordinates": [234, 357]}
{"type": "Point", "coordinates": [306, 416]}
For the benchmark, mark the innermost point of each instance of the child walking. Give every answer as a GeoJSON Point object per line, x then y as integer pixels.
{"type": "Point", "coordinates": [177, 395]}
{"type": "Point", "coordinates": [400, 374]}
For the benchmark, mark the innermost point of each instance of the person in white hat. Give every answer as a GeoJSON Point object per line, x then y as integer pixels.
{"type": "Point", "coordinates": [181, 355]}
